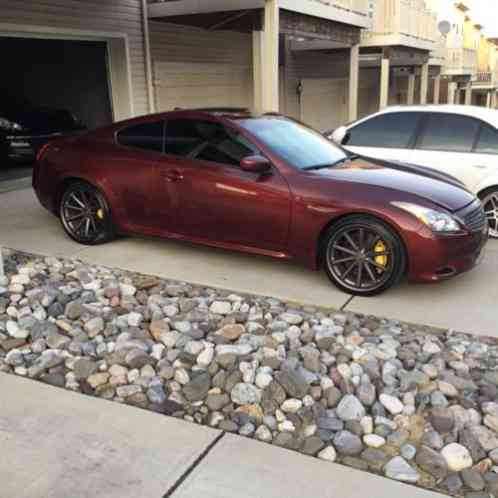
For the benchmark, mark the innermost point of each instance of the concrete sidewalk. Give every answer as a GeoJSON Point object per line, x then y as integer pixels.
{"type": "Point", "coordinates": [58, 444]}
{"type": "Point", "coordinates": [466, 303]}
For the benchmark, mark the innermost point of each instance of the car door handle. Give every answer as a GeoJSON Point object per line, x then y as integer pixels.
{"type": "Point", "coordinates": [480, 166]}
{"type": "Point", "coordinates": [172, 175]}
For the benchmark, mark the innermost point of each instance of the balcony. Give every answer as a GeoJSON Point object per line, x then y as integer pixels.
{"type": "Point", "coordinates": [485, 80]}
{"type": "Point", "coordinates": [460, 62]}
{"type": "Point", "coordinates": [405, 23]}
{"type": "Point", "coordinates": [351, 12]}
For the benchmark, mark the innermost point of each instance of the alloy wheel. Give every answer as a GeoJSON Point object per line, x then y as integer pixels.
{"type": "Point", "coordinates": [360, 258]}
{"type": "Point", "coordinates": [490, 203]}
{"type": "Point", "coordinates": [83, 213]}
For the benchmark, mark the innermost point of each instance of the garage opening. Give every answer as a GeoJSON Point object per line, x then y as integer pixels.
{"type": "Point", "coordinates": [58, 74]}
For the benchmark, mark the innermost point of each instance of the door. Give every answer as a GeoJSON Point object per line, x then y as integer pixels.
{"type": "Point", "coordinates": [217, 201]}
{"type": "Point", "coordinates": [447, 143]}
{"type": "Point", "coordinates": [388, 136]}
{"type": "Point", "coordinates": [136, 182]}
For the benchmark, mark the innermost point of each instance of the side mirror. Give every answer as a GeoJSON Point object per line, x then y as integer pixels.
{"type": "Point", "coordinates": [340, 135]}
{"type": "Point", "coordinates": [255, 164]}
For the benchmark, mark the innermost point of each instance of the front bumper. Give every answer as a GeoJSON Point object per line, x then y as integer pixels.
{"type": "Point", "coordinates": [436, 258]}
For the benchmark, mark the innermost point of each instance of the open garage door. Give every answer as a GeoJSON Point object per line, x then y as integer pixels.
{"type": "Point", "coordinates": [324, 102]}
{"type": "Point", "coordinates": [58, 74]}
{"type": "Point", "coordinates": [192, 85]}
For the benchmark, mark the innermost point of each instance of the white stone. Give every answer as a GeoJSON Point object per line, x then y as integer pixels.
{"type": "Point", "coordinates": [127, 290]}
{"type": "Point", "coordinates": [431, 348]}
{"type": "Point", "coordinates": [291, 318]}
{"type": "Point", "coordinates": [374, 441]}
{"type": "Point", "coordinates": [135, 319]}
{"type": "Point", "coordinates": [329, 454]}
{"type": "Point", "coordinates": [286, 426]}
{"type": "Point", "coordinates": [367, 425]}
{"type": "Point", "coordinates": [245, 394]}
{"type": "Point", "coordinates": [457, 457]}
{"type": "Point", "coordinates": [392, 404]}
{"type": "Point", "coordinates": [221, 308]}
{"type": "Point", "coordinates": [20, 279]}
{"type": "Point", "coordinates": [263, 380]}
{"type": "Point", "coordinates": [399, 469]}
{"type": "Point", "coordinates": [14, 331]}
{"type": "Point", "coordinates": [206, 357]}
{"type": "Point", "coordinates": [182, 376]}
{"type": "Point", "coordinates": [291, 405]}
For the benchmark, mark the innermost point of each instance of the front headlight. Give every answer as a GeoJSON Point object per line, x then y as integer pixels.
{"type": "Point", "coordinates": [437, 221]}
{"type": "Point", "coordinates": [5, 124]}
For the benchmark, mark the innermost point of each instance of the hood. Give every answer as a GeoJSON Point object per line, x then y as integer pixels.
{"type": "Point", "coordinates": [439, 188]}
{"type": "Point", "coordinates": [42, 119]}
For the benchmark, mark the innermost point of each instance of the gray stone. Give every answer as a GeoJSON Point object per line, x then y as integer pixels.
{"type": "Point", "coordinates": [350, 408]}
{"type": "Point", "coordinates": [442, 419]}
{"type": "Point", "coordinates": [293, 382]}
{"type": "Point", "coordinates": [83, 368]}
{"type": "Point", "coordinates": [432, 462]}
{"type": "Point", "coordinates": [216, 402]}
{"type": "Point", "coordinates": [197, 389]}
{"type": "Point", "coordinates": [473, 479]}
{"type": "Point", "coordinates": [74, 310]}
{"type": "Point", "coordinates": [399, 469]}
{"type": "Point", "coordinates": [245, 394]}
{"type": "Point", "coordinates": [366, 393]}
{"type": "Point", "coordinates": [348, 444]}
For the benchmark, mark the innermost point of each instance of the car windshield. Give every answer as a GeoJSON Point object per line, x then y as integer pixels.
{"type": "Point", "coordinates": [298, 145]}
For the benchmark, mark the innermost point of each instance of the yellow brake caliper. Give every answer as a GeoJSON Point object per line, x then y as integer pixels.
{"type": "Point", "coordinates": [380, 248]}
{"type": "Point", "coordinates": [100, 214]}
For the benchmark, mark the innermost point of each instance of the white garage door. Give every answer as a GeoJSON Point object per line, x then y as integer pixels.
{"type": "Point", "coordinates": [191, 85]}
{"type": "Point", "coordinates": [324, 102]}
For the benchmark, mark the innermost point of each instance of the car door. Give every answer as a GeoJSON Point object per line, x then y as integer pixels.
{"type": "Point", "coordinates": [144, 204]}
{"type": "Point", "coordinates": [217, 201]}
{"type": "Point", "coordinates": [388, 136]}
{"type": "Point", "coordinates": [446, 143]}
{"type": "Point", "coordinates": [485, 158]}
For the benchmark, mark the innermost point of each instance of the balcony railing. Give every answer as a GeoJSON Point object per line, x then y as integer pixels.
{"type": "Point", "coordinates": [460, 61]}
{"type": "Point", "coordinates": [410, 18]}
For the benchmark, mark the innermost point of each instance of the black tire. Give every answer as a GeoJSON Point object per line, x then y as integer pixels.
{"type": "Point", "coordinates": [489, 199]}
{"type": "Point", "coordinates": [85, 215]}
{"type": "Point", "coordinates": [363, 256]}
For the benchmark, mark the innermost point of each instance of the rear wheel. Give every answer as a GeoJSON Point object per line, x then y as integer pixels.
{"type": "Point", "coordinates": [489, 199]}
{"type": "Point", "coordinates": [85, 214]}
{"type": "Point", "coordinates": [363, 256]}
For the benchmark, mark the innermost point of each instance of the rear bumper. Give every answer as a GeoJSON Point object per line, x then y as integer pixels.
{"type": "Point", "coordinates": [437, 258]}
{"type": "Point", "coordinates": [25, 147]}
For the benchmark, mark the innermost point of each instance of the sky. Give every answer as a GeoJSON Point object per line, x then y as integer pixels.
{"type": "Point", "coordinates": [484, 12]}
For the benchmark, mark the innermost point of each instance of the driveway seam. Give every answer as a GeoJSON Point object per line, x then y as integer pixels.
{"type": "Point", "coordinates": [347, 303]}
{"type": "Point", "coordinates": [193, 465]}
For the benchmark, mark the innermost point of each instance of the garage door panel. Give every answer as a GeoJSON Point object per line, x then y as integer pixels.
{"type": "Point", "coordinates": [194, 84]}
{"type": "Point", "coordinates": [324, 102]}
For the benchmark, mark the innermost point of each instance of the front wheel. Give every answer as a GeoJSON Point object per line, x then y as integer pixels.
{"type": "Point", "coordinates": [85, 214]}
{"type": "Point", "coordinates": [363, 256]}
{"type": "Point", "coordinates": [489, 199]}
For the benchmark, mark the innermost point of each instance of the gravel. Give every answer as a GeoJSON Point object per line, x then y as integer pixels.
{"type": "Point", "coordinates": [408, 402]}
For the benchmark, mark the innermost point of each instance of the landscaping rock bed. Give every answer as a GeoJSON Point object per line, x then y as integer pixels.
{"type": "Point", "coordinates": [408, 402]}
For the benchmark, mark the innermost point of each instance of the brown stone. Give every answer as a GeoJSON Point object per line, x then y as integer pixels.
{"type": "Point", "coordinates": [157, 328]}
{"type": "Point", "coordinates": [231, 332]}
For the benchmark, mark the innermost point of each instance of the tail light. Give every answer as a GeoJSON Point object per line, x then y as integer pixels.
{"type": "Point", "coordinates": [41, 152]}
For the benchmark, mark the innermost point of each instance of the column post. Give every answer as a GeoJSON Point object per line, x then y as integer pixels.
{"type": "Point", "coordinates": [354, 78]}
{"type": "Point", "coordinates": [410, 99]}
{"type": "Point", "coordinates": [468, 94]}
{"type": "Point", "coordinates": [424, 83]}
{"type": "Point", "coordinates": [437, 88]}
{"type": "Point", "coordinates": [452, 90]}
{"type": "Point", "coordinates": [384, 79]}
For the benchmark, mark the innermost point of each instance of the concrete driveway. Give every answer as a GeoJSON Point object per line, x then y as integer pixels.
{"type": "Point", "coordinates": [466, 303]}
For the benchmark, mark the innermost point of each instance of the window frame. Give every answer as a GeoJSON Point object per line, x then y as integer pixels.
{"type": "Point", "coordinates": [131, 147]}
{"type": "Point", "coordinates": [413, 139]}
{"type": "Point", "coordinates": [424, 127]}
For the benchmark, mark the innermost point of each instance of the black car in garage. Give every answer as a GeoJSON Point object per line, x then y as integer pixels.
{"type": "Point", "coordinates": [25, 127]}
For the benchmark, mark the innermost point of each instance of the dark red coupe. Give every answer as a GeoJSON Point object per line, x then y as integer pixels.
{"type": "Point", "coordinates": [267, 185]}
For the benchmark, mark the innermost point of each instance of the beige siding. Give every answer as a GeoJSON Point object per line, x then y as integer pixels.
{"type": "Point", "coordinates": [196, 67]}
{"type": "Point", "coordinates": [123, 16]}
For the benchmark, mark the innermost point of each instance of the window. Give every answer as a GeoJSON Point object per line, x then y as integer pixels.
{"type": "Point", "coordinates": [394, 130]}
{"type": "Point", "coordinates": [147, 136]}
{"type": "Point", "coordinates": [206, 141]}
{"type": "Point", "coordinates": [296, 144]}
{"type": "Point", "coordinates": [488, 141]}
{"type": "Point", "coordinates": [449, 132]}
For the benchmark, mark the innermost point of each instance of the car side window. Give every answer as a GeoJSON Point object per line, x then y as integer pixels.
{"type": "Point", "coordinates": [488, 141]}
{"type": "Point", "coordinates": [146, 136]}
{"type": "Point", "coordinates": [449, 133]}
{"type": "Point", "coordinates": [184, 136]}
{"type": "Point", "coordinates": [226, 147]}
{"type": "Point", "coordinates": [392, 130]}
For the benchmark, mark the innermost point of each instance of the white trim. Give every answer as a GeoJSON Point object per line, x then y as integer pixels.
{"type": "Point", "coordinates": [116, 42]}
{"type": "Point", "coordinates": [148, 59]}
{"type": "Point", "coordinates": [184, 7]}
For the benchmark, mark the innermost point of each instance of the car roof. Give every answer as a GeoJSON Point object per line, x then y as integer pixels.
{"type": "Point", "coordinates": [483, 113]}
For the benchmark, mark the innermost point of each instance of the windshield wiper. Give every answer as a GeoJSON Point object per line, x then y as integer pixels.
{"type": "Point", "coordinates": [351, 157]}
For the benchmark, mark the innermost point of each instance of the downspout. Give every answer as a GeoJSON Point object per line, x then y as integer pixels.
{"type": "Point", "coordinates": [148, 62]}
